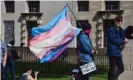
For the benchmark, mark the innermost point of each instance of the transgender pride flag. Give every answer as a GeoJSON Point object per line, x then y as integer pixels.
{"type": "Point", "coordinates": [50, 40]}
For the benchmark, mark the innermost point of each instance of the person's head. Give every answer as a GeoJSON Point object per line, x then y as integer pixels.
{"type": "Point", "coordinates": [118, 21]}
{"type": "Point", "coordinates": [22, 44]}
{"type": "Point", "coordinates": [86, 28]}
{"type": "Point", "coordinates": [29, 70]}
{"type": "Point", "coordinates": [12, 42]}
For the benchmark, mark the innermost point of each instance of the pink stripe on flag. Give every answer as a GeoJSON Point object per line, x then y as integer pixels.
{"type": "Point", "coordinates": [53, 32]}
{"type": "Point", "coordinates": [59, 53]}
{"type": "Point", "coordinates": [46, 50]}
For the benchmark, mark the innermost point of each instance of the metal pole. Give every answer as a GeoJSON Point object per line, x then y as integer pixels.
{"type": "Point", "coordinates": [77, 50]}
{"type": "Point", "coordinates": [74, 16]}
{"type": "Point", "coordinates": [80, 25]}
{"type": "Point", "coordinates": [72, 12]}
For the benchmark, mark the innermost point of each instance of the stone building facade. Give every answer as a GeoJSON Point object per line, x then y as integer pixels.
{"type": "Point", "coordinates": [18, 18]}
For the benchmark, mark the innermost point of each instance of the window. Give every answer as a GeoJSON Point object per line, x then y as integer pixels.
{"type": "Point", "coordinates": [9, 5]}
{"type": "Point", "coordinates": [83, 5]}
{"type": "Point", "coordinates": [106, 24]}
{"type": "Point", "coordinates": [112, 5]}
{"type": "Point", "coordinates": [34, 6]}
{"type": "Point", "coordinates": [30, 25]}
{"type": "Point", "coordinates": [8, 31]}
{"type": "Point", "coordinates": [79, 22]}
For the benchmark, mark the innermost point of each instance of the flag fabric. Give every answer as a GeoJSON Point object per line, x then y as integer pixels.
{"type": "Point", "coordinates": [50, 40]}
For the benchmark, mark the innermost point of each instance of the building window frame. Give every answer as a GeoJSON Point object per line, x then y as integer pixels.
{"type": "Point", "coordinates": [9, 6]}
{"type": "Point", "coordinates": [33, 6]}
{"type": "Point", "coordinates": [112, 5]}
{"type": "Point", "coordinates": [9, 28]}
{"type": "Point", "coordinates": [29, 25]}
{"type": "Point", "coordinates": [81, 21]}
{"type": "Point", "coordinates": [83, 6]}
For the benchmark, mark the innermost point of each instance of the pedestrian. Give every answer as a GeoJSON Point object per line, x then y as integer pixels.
{"type": "Point", "coordinates": [115, 38]}
{"type": "Point", "coordinates": [85, 53]}
{"type": "Point", "coordinates": [11, 57]}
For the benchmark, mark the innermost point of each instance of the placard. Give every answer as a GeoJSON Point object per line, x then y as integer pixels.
{"type": "Point", "coordinates": [87, 68]}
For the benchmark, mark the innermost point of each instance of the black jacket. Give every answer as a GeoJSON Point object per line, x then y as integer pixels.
{"type": "Point", "coordinates": [12, 53]}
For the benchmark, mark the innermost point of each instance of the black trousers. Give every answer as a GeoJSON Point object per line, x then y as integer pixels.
{"type": "Point", "coordinates": [116, 67]}
{"type": "Point", "coordinates": [2, 72]}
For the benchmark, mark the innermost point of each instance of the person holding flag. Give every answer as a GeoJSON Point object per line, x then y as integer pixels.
{"type": "Point", "coordinates": [86, 50]}
{"type": "Point", "coordinates": [50, 40]}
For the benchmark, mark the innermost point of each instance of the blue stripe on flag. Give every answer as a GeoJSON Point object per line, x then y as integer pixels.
{"type": "Point", "coordinates": [61, 15]}
{"type": "Point", "coordinates": [54, 52]}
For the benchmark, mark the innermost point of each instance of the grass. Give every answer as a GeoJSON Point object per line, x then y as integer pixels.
{"type": "Point", "coordinates": [69, 78]}
{"type": "Point", "coordinates": [64, 77]}
{"type": "Point", "coordinates": [56, 78]}
{"type": "Point", "coordinates": [58, 71]}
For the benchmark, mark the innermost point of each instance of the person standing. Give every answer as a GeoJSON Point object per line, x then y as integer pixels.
{"type": "Point", "coordinates": [11, 57]}
{"type": "Point", "coordinates": [85, 49]}
{"type": "Point", "coordinates": [3, 53]}
{"type": "Point", "coordinates": [115, 38]}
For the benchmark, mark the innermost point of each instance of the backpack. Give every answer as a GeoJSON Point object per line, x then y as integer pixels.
{"type": "Point", "coordinates": [12, 53]}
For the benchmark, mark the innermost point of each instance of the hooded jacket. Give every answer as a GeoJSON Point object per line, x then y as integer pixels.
{"type": "Point", "coordinates": [115, 39]}
{"type": "Point", "coordinates": [84, 48]}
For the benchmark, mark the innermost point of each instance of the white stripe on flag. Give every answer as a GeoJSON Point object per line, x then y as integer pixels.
{"type": "Point", "coordinates": [53, 41]}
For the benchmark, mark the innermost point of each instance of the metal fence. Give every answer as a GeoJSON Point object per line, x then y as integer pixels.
{"type": "Point", "coordinates": [62, 66]}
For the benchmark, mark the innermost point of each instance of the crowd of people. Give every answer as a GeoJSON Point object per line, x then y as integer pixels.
{"type": "Point", "coordinates": [8, 57]}
{"type": "Point", "coordinates": [115, 38]}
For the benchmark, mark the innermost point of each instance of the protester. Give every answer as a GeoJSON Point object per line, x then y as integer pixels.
{"type": "Point", "coordinates": [3, 53]}
{"type": "Point", "coordinates": [87, 31]}
{"type": "Point", "coordinates": [115, 39]}
{"type": "Point", "coordinates": [28, 75]}
{"type": "Point", "coordinates": [11, 57]}
{"type": "Point", "coordinates": [85, 48]}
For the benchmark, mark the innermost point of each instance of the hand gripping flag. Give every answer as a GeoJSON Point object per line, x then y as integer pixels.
{"type": "Point", "coordinates": [50, 40]}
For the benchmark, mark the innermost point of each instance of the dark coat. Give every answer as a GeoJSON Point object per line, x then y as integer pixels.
{"type": "Point", "coordinates": [115, 39]}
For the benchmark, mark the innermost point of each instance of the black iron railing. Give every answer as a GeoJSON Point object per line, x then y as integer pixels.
{"type": "Point", "coordinates": [62, 66]}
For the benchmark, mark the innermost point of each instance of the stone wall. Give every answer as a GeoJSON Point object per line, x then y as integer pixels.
{"type": "Point", "coordinates": [128, 62]}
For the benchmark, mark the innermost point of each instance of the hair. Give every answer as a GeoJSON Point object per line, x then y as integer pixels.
{"type": "Point", "coordinates": [22, 44]}
{"type": "Point", "coordinates": [119, 18]}
{"type": "Point", "coordinates": [12, 42]}
{"type": "Point", "coordinates": [28, 69]}
{"type": "Point", "coordinates": [86, 26]}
